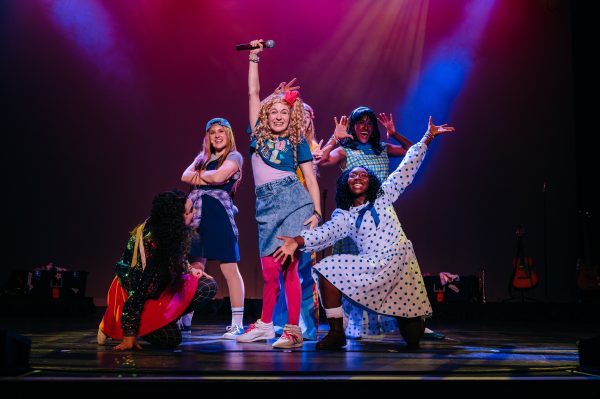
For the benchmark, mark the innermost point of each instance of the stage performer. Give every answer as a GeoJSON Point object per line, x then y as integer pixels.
{"type": "Point", "coordinates": [154, 283]}
{"type": "Point", "coordinates": [283, 206]}
{"type": "Point", "coordinates": [215, 174]}
{"type": "Point", "coordinates": [384, 276]}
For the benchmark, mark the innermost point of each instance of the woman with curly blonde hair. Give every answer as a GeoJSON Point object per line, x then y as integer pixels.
{"type": "Point", "coordinates": [278, 147]}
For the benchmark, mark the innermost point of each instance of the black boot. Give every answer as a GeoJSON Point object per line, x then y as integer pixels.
{"type": "Point", "coordinates": [412, 330]}
{"type": "Point", "coordinates": [335, 338]}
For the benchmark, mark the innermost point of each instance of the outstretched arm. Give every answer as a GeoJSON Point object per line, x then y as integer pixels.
{"type": "Point", "coordinates": [404, 174]}
{"type": "Point", "coordinates": [254, 83]}
{"type": "Point", "coordinates": [289, 247]}
{"type": "Point", "coordinates": [435, 130]}
{"type": "Point", "coordinates": [316, 239]}
{"type": "Point", "coordinates": [324, 236]}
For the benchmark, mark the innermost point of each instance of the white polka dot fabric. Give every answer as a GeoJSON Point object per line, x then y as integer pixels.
{"type": "Point", "coordinates": [385, 277]}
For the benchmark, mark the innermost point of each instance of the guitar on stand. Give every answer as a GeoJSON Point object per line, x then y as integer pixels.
{"type": "Point", "coordinates": [523, 277]}
{"type": "Point", "coordinates": [588, 274]}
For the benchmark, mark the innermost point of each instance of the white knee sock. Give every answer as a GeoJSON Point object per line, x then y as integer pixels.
{"type": "Point", "coordinates": [237, 316]}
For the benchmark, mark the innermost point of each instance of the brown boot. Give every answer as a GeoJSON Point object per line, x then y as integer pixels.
{"type": "Point", "coordinates": [335, 338]}
{"type": "Point", "coordinates": [411, 330]}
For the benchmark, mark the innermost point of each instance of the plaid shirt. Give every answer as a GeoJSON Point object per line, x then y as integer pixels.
{"type": "Point", "coordinates": [380, 165]}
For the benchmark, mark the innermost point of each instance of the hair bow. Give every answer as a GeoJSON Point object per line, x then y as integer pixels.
{"type": "Point", "coordinates": [290, 97]}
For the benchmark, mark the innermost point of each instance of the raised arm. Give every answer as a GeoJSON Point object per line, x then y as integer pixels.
{"type": "Point", "coordinates": [394, 150]}
{"type": "Point", "coordinates": [254, 83]}
{"type": "Point", "coordinates": [330, 155]}
{"type": "Point", "coordinates": [404, 174]}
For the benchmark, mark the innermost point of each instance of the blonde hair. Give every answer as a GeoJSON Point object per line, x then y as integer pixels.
{"type": "Point", "coordinates": [296, 127]}
{"type": "Point", "coordinates": [207, 150]}
{"type": "Point", "coordinates": [309, 133]}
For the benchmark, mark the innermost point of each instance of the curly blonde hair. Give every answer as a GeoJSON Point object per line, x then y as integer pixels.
{"type": "Point", "coordinates": [295, 129]}
{"type": "Point", "coordinates": [310, 128]}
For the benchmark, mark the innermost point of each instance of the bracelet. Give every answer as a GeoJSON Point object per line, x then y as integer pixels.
{"type": "Point", "coordinates": [318, 215]}
{"type": "Point", "coordinates": [254, 59]}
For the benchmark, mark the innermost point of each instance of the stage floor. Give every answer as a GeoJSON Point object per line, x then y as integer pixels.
{"type": "Point", "coordinates": [496, 356]}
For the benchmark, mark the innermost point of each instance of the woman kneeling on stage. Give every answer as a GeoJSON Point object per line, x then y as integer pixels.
{"type": "Point", "coordinates": [384, 277]}
{"type": "Point", "coordinates": [154, 284]}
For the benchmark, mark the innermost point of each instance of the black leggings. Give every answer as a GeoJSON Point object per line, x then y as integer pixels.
{"type": "Point", "coordinates": [169, 336]}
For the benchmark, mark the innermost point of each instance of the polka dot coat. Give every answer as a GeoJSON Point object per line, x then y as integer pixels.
{"type": "Point", "coordinates": [385, 276]}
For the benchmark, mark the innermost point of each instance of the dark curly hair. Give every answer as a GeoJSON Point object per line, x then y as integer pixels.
{"type": "Point", "coordinates": [171, 235]}
{"type": "Point", "coordinates": [344, 198]}
{"type": "Point", "coordinates": [375, 138]}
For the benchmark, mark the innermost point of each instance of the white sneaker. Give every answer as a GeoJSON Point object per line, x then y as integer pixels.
{"type": "Point", "coordinates": [233, 332]}
{"type": "Point", "coordinates": [101, 337]}
{"type": "Point", "coordinates": [291, 337]}
{"type": "Point", "coordinates": [257, 331]}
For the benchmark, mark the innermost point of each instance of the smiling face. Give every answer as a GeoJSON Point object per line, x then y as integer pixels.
{"type": "Point", "coordinates": [218, 137]}
{"type": "Point", "coordinates": [364, 129]}
{"type": "Point", "coordinates": [358, 181]}
{"type": "Point", "coordinates": [279, 117]}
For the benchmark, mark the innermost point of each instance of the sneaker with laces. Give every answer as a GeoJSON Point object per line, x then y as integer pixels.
{"type": "Point", "coordinates": [233, 331]}
{"type": "Point", "coordinates": [257, 331]}
{"type": "Point", "coordinates": [291, 337]}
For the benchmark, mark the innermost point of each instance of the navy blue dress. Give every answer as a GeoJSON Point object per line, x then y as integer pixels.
{"type": "Point", "coordinates": [216, 238]}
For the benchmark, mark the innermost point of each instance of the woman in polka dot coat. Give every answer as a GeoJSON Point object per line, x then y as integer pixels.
{"type": "Point", "coordinates": [385, 276]}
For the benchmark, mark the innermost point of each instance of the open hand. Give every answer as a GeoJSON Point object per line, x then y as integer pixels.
{"type": "Point", "coordinates": [128, 343]}
{"type": "Point", "coordinates": [312, 222]}
{"type": "Point", "coordinates": [435, 130]}
{"type": "Point", "coordinates": [318, 152]}
{"type": "Point", "coordinates": [341, 128]}
{"type": "Point", "coordinates": [286, 250]}
{"type": "Point", "coordinates": [286, 86]}
{"type": "Point", "coordinates": [388, 123]}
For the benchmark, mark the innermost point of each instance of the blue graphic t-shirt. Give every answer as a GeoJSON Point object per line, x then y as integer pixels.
{"type": "Point", "coordinates": [278, 153]}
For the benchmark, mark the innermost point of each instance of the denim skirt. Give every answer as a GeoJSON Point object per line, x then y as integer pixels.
{"type": "Point", "coordinates": [282, 207]}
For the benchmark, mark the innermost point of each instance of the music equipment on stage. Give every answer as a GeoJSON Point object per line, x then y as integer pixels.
{"type": "Point", "coordinates": [588, 278]}
{"type": "Point", "coordinates": [523, 277]}
{"type": "Point", "coordinates": [482, 286]}
{"type": "Point", "coordinates": [465, 289]}
{"type": "Point", "coordinates": [53, 284]}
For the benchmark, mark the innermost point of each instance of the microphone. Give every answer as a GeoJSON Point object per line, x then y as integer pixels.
{"type": "Point", "coordinates": [248, 46]}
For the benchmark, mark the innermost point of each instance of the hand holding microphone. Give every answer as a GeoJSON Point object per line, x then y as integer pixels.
{"type": "Point", "coordinates": [256, 44]}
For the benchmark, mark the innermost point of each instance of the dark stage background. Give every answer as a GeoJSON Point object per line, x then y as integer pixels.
{"type": "Point", "coordinates": [105, 103]}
